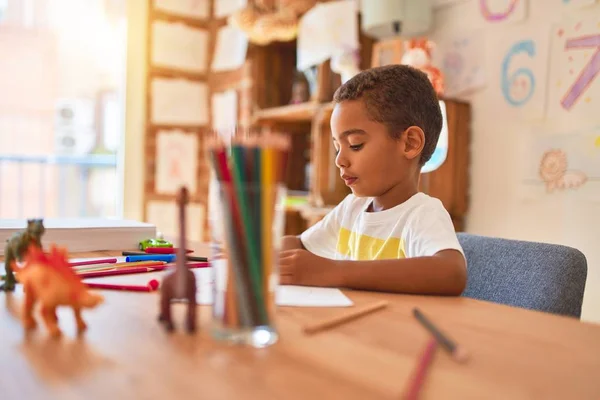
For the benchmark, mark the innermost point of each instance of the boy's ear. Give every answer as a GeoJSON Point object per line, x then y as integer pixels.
{"type": "Point", "coordinates": [414, 141]}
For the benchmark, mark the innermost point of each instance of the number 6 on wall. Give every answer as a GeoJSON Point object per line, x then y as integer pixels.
{"type": "Point", "coordinates": [589, 72]}
{"type": "Point", "coordinates": [527, 46]}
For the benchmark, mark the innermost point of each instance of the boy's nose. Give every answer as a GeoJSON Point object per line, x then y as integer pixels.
{"type": "Point", "coordinates": [341, 161]}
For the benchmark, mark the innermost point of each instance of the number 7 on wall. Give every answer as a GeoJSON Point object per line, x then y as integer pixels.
{"type": "Point", "coordinates": [589, 72]}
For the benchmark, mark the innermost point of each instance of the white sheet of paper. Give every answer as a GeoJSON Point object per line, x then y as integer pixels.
{"type": "Point", "coordinates": [223, 8]}
{"type": "Point", "coordinates": [287, 296]}
{"type": "Point", "coordinates": [225, 111]}
{"type": "Point", "coordinates": [326, 29]}
{"type": "Point", "coordinates": [176, 161]}
{"type": "Point", "coordinates": [230, 49]}
{"type": "Point", "coordinates": [561, 163]}
{"type": "Point", "coordinates": [461, 62]}
{"type": "Point", "coordinates": [520, 62]}
{"type": "Point", "coordinates": [185, 8]}
{"type": "Point", "coordinates": [164, 215]}
{"type": "Point", "coordinates": [179, 102]}
{"type": "Point", "coordinates": [177, 45]}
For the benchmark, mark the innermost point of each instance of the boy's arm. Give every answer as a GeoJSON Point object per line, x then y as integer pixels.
{"type": "Point", "coordinates": [291, 242]}
{"type": "Point", "coordinates": [441, 274]}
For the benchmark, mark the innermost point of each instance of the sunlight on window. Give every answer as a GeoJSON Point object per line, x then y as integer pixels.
{"type": "Point", "coordinates": [62, 118]}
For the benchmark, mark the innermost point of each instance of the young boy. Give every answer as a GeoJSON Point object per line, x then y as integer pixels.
{"type": "Point", "coordinates": [386, 235]}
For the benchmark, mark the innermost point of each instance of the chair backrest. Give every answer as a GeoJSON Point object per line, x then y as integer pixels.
{"type": "Point", "coordinates": [538, 276]}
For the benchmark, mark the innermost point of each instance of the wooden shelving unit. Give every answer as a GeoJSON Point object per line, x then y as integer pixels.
{"type": "Point", "coordinates": [266, 81]}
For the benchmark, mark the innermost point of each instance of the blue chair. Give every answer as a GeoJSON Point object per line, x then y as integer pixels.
{"type": "Point", "coordinates": [537, 276]}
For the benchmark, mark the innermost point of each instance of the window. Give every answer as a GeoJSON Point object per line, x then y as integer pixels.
{"type": "Point", "coordinates": [62, 79]}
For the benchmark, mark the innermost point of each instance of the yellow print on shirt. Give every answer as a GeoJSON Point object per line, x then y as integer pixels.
{"type": "Point", "coordinates": [363, 247]}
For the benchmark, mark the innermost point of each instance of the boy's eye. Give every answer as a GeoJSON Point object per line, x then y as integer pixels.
{"type": "Point", "coordinates": [356, 147]}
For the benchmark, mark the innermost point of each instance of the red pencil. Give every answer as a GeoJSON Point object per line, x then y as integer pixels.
{"type": "Point", "coordinates": [92, 262]}
{"type": "Point", "coordinates": [164, 250]}
{"type": "Point", "coordinates": [421, 370]}
{"type": "Point", "coordinates": [151, 286]}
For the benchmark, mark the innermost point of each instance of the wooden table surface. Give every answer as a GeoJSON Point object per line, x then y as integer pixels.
{"type": "Point", "coordinates": [125, 354]}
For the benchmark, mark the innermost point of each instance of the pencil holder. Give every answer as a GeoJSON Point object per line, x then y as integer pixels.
{"type": "Point", "coordinates": [247, 225]}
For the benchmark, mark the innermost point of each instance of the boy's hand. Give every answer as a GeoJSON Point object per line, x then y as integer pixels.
{"type": "Point", "coordinates": [301, 267]}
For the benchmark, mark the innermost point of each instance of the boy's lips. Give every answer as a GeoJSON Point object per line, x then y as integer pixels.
{"type": "Point", "coordinates": [349, 180]}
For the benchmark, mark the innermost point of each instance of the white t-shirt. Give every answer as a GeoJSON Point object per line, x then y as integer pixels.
{"type": "Point", "coordinates": [420, 226]}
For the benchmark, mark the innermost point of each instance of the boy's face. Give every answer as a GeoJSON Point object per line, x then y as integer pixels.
{"type": "Point", "coordinates": [370, 160]}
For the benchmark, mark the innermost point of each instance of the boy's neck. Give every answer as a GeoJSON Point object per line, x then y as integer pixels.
{"type": "Point", "coordinates": [396, 195]}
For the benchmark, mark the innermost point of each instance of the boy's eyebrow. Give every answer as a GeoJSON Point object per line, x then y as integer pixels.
{"type": "Point", "coordinates": [352, 132]}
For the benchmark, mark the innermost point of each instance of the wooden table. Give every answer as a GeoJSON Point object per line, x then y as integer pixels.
{"type": "Point", "coordinates": [515, 354]}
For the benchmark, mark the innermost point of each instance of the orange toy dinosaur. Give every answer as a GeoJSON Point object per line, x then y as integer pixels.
{"type": "Point", "coordinates": [49, 279]}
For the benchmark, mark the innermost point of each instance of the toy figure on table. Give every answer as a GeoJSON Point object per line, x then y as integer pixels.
{"type": "Point", "coordinates": [17, 246]}
{"type": "Point", "coordinates": [418, 54]}
{"type": "Point", "coordinates": [179, 284]}
{"type": "Point", "coordinates": [49, 279]}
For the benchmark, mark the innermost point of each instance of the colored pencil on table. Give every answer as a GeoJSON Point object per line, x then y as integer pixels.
{"type": "Point", "coordinates": [152, 257]}
{"type": "Point", "coordinates": [83, 268]}
{"type": "Point", "coordinates": [122, 271]}
{"type": "Point", "coordinates": [163, 250]}
{"type": "Point", "coordinates": [92, 262]}
{"type": "Point", "coordinates": [135, 270]}
{"type": "Point", "coordinates": [349, 316]}
{"type": "Point", "coordinates": [420, 372]}
{"type": "Point", "coordinates": [457, 352]}
{"type": "Point", "coordinates": [139, 253]}
{"type": "Point", "coordinates": [151, 286]}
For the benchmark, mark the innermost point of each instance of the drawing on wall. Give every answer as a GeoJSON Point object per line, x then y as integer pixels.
{"type": "Point", "coordinates": [555, 172]}
{"type": "Point", "coordinates": [225, 113]}
{"type": "Point", "coordinates": [325, 31]}
{"type": "Point", "coordinates": [176, 161]}
{"type": "Point", "coordinates": [179, 102]}
{"type": "Point", "coordinates": [523, 72]}
{"type": "Point", "coordinates": [178, 46]}
{"type": "Point", "coordinates": [565, 162]}
{"type": "Point", "coordinates": [163, 214]}
{"type": "Point", "coordinates": [574, 87]}
{"type": "Point", "coordinates": [230, 49]}
{"type": "Point", "coordinates": [461, 62]}
{"type": "Point", "coordinates": [503, 11]}
{"type": "Point", "coordinates": [578, 3]}
{"type": "Point", "coordinates": [185, 8]}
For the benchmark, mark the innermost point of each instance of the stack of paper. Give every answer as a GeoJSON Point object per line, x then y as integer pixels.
{"type": "Point", "coordinates": [84, 234]}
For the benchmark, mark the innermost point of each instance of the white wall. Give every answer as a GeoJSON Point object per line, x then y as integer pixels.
{"type": "Point", "coordinates": [497, 207]}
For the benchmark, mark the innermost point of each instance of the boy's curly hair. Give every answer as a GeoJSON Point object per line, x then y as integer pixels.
{"type": "Point", "coordinates": [398, 96]}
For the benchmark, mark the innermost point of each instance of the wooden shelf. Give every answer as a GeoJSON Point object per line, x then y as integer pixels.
{"type": "Point", "coordinates": [303, 112]}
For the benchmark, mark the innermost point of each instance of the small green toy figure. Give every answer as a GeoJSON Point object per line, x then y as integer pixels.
{"type": "Point", "coordinates": [16, 247]}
